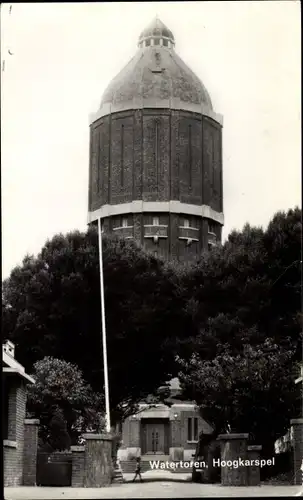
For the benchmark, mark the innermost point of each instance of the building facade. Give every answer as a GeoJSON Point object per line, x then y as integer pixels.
{"type": "Point", "coordinates": [20, 435]}
{"type": "Point", "coordinates": [155, 171]}
{"type": "Point", "coordinates": [163, 432]}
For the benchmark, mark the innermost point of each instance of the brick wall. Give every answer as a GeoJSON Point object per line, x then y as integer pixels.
{"type": "Point", "coordinates": [13, 447]}
{"type": "Point", "coordinates": [297, 425]}
{"type": "Point", "coordinates": [31, 427]}
{"type": "Point", "coordinates": [155, 156]}
{"type": "Point", "coordinates": [78, 465]}
{"type": "Point", "coordinates": [172, 246]}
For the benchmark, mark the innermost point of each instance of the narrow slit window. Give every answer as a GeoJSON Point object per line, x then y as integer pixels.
{"type": "Point", "coordinates": [189, 156]}
{"type": "Point", "coordinates": [195, 429]}
{"type": "Point", "coordinates": [97, 161]}
{"type": "Point", "coordinates": [155, 221]}
{"type": "Point", "coordinates": [192, 429]}
{"type": "Point", "coordinates": [211, 228]}
{"type": "Point", "coordinates": [186, 223]}
{"type": "Point", "coordinates": [213, 160]}
{"type": "Point", "coordinates": [124, 222]}
{"type": "Point", "coordinates": [157, 150]}
{"type": "Point", "coordinates": [189, 434]}
{"type": "Point", "coordinates": [122, 155]}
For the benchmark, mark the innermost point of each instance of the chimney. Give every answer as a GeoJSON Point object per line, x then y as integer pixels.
{"type": "Point", "coordinates": [9, 348]}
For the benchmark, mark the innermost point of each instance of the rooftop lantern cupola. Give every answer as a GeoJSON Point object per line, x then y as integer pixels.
{"type": "Point", "coordinates": [156, 34]}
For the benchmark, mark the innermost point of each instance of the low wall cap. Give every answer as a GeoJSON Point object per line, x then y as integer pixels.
{"type": "Point", "coordinates": [31, 421]}
{"type": "Point", "coordinates": [228, 437]}
{"type": "Point", "coordinates": [77, 448]}
{"type": "Point", "coordinates": [100, 437]}
{"type": "Point", "coordinates": [295, 421]}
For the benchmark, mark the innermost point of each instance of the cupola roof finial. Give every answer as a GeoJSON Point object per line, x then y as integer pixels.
{"type": "Point", "coordinates": [156, 30]}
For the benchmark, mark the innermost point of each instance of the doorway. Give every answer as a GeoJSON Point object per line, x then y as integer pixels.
{"type": "Point", "coordinates": [154, 437]}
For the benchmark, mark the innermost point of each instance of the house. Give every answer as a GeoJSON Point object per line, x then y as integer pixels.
{"type": "Point", "coordinates": [161, 431]}
{"type": "Point", "coordinates": [18, 446]}
{"type": "Point", "coordinates": [286, 442]}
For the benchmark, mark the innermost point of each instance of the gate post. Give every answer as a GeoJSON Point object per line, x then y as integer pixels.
{"type": "Point", "coordinates": [98, 468]}
{"type": "Point", "coordinates": [253, 471]}
{"type": "Point", "coordinates": [233, 447]}
{"type": "Point", "coordinates": [77, 466]}
{"type": "Point", "coordinates": [31, 426]}
{"type": "Point", "coordinates": [297, 425]}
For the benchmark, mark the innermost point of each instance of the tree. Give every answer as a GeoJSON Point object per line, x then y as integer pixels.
{"type": "Point", "coordinates": [54, 309]}
{"type": "Point", "coordinates": [246, 293]}
{"type": "Point", "coordinates": [253, 279]}
{"type": "Point", "coordinates": [63, 401]}
{"type": "Point", "coordinates": [252, 390]}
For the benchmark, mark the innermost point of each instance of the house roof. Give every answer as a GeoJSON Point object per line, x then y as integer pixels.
{"type": "Point", "coordinates": [10, 366]}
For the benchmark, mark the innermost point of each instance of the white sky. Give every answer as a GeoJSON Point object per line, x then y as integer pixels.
{"type": "Point", "coordinates": [246, 53]}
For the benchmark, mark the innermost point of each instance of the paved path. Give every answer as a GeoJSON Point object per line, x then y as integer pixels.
{"type": "Point", "coordinates": [156, 484]}
{"type": "Point", "coordinates": [160, 489]}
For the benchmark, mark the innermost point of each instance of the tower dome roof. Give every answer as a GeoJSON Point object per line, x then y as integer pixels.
{"type": "Point", "coordinates": [156, 74]}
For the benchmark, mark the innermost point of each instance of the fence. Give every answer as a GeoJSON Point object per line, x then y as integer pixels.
{"type": "Point", "coordinates": [54, 469]}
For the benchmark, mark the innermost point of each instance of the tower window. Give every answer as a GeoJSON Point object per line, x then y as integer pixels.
{"type": "Point", "coordinates": [147, 43]}
{"type": "Point", "coordinates": [122, 155]}
{"type": "Point", "coordinates": [102, 226]}
{"type": "Point", "coordinates": [155, 221]}
{"type": "Point", "coordinates": [157, 41]}
{"type": "Point", "coordinates": [211, 228]}
{"type": "Point", "coordinates": [165, 42]}
{"type": "Point", "coordinates": [189, 156]}
{"type": "Point", "coordinates": [186, 223]}
{"type": "Point", "coordinates": [192, 429]}
{"type": "Point", "coordinates": [124, 222]}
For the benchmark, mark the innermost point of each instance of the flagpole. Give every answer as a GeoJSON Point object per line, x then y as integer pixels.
{"type": "Point", "coordinates": [107, 409]}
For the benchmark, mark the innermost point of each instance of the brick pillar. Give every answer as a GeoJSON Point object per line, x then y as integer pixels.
{"type": "Point", "coordinates": [297, 425]}
{"type": "Point", "coordinates": [98, 460]}
{"type": "Point", "coordinates": [78, 466]}
{"type": "Point", "coordinates": [176, 450]}
{"type": "Point", "coordinates": [13, 446]}
{"type": "Point", "coordinates": [253, 471]}
{"type": "Point", "coordinates": [134, 447]}
{"type": "Point", "coordinates": [138, 223]}
{"type": "Point", "coordinates": [31, 426]}
{"type": "Point", "coordinates": [233, 447]}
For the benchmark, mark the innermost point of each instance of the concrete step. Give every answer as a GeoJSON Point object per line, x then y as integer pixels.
{"type": "Point", "coordinates": [118, 476]}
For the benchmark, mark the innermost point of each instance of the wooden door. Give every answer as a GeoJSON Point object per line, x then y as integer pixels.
{"type": "Point", "coordinates": [155, 439]}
